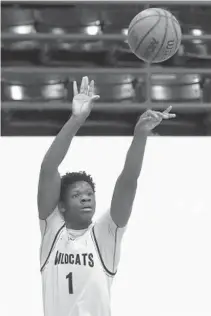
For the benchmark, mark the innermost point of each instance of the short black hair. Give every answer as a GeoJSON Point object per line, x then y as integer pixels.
{"type": "Point", "coordinates": [70, 178]}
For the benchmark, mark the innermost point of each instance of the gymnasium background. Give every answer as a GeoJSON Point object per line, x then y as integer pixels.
{"type": "Point", "coordinates": [166, 258]}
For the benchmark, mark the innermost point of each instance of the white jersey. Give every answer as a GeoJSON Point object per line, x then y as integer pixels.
{"type": "Point", "coordinates": [78, 266]}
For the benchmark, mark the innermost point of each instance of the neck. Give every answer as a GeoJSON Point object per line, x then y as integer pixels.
{"type": "Point", "coordinates": [77, 226]}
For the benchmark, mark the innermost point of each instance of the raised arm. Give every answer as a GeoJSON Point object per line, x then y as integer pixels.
{"type": "Point", "coordinates": [125, 188]}
{"type": "Point", "coordinates": [49, 179]}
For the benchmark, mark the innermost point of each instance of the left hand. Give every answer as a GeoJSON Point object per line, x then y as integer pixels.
{"type": "Point", "coordinates": [150, 119]}
{"type": "Point", "coordinates": [83, 100]}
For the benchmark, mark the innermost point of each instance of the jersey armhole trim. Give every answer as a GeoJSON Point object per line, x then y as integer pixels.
{"type": "Point", "coordinates": [100, 256]}
{"type": "Point", "coordinates": [53, 243]}
{"type": "Point", "coordinates": [43, 237]}
{"type": "Point", "coordinates": [114, 256]}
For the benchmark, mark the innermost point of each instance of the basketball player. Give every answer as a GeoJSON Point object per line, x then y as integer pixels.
{"type": "Point", "coordinates": [79, 258]}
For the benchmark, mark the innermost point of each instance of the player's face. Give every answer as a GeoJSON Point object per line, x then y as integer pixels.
{"type": "Point", "coordinates": [79, 205]}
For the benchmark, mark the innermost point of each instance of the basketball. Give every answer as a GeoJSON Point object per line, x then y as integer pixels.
{"type": "Point", "coordinates": [154, 35]}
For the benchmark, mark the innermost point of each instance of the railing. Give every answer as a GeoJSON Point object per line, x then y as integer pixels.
{"type": "Point", "coordinates": [91, 71]}
{"type": "Point", "coordinates": [81, 37]}
{"type": "Point", "coordinates": [117, 107]}
{"type": "Point", "coordinates": [126, 2]}
{"type": "Point", "coordinates": [148, 70]}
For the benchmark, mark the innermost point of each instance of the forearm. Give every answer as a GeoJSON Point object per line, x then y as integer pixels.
{"type": "Point", "coordinates": [126, 185]}
{"type": "Point", "coordinates": [134, 158]}
{"type": "Point", "coordinates": [61, 143]}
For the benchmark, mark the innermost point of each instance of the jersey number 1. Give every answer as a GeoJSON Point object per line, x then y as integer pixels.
{"type": "Point", "coordinates": [70, 282]}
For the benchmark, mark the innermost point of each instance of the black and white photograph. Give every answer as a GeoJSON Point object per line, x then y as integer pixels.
{"type": "Point", "coordinates": [105, 158]}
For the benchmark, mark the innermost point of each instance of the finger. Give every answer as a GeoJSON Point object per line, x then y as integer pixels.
{"type": "Point", "coordinates": [75, 88]}
{"type": "Point", "coordinates": [168, 116]}
{"type": "Point", "coordinates": [168, 109]}
{"type": "Point", "coordinates": [155, 115]}
{"type": "Point", "coordinates": [91, 88]}
{"type": "Point", "coordinates": [95, 97]}
{"type": "Point", "coordinates": [84, 85]}
{"type": "Point", "coordinates": [162, 115]}
{"type": "Point", "coordinates": [165, 115]}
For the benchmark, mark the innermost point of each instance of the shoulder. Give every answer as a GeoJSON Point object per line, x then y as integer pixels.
{"type": "Point", "coordinates": [107, 219]}
{"type": "Point", "coordinates": [105, 225]}
{"type": "Point", "coordinates": [53, 222]}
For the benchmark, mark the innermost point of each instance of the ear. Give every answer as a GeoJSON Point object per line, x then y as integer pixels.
{"type": "Point", "coordinates": [61, 207]}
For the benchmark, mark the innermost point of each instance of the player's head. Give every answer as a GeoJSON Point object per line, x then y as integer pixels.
{"type": "Point", "coordinates": [77, 199]}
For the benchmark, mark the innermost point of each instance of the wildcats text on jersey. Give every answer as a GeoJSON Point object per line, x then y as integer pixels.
{"type": "Point", "coordinates": [74, 259]}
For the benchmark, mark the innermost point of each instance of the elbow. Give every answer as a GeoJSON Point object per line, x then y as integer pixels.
{"type": "Point", "coordinates": [47, 167]}
{"type": "Point", "coordinates": [44, 166]}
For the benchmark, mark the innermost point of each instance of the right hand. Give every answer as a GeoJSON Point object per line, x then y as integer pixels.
{"type": "Point", "coordinates": [150, 119]}
{"type": "Point", "coordinates": [83, 101]}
